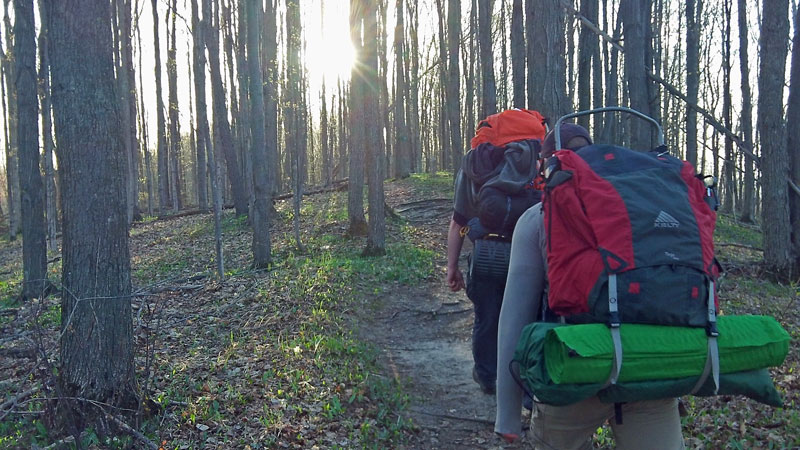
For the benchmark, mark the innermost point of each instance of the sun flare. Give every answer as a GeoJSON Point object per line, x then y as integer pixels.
{"type": "Point", "coordinates": [329, 51]}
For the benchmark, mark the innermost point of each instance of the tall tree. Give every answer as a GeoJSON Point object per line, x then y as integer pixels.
{"type": "Point", "coordinates": [271, 92]}
{"type": "Point", "coordinates": [96, 327]}
{"type": "Point", "coordinates": [324, 138]}
{"type": "Point", "coordinates": [198, 67]}
{"type": "Point", "coordinates": [174, 113]}
{"type": "Point", "coordinates": [517, 55]}
{"type": "Point", "coordinates": [51, 214]}
{"type": "Point", "coordinates": [222, 125]}
{"type": "Point", "coordinates": [727, 107]}
{"type": "Point", "coordinates": [127, 94]}
{"type": "Point", "coordinates": [610, 128]}
{"type": "Point", "coordinates": [635, 70]}
{"type": "Point", "coordinates": [793, 141]}
{"type": "Point", "coordinates": [454, 82]}
{"type": "Point", "coordinates": [262, 194]}
{"type": "Point", "coordinates": [694, 13]}
{"type": "Point", "coordinates": [402, 147]}
{"type": "Point", "coordinates": [34, 242]}
{"type": "Point", "coordinates": [588, 52]}
{"type": "Point", "coordinates": [376, 235]}
{"type": "Point", "coordinates": [772, 131]}
{"type": "Point", "coordinates": [413, 85]}
{"type": "Point", "coordinates": [355, 198]}
{"type": "Point", "coordinates": [547, 73]}
{"type": "Point", "coordinates": [748, 195]}
{"type": "Point", "coordinates": [488, 88]}
{"type": "Point", "coordinates": [12, 160]}
{"type": "Point", "coordinates": [148, 166]}
{"type": "Point", "coordinates": [295, 123]}
{"type": "Point", "coordinates": [444, 141]}
{"type": "Point", "coordinates": [162, 151]}
{"type": "Point", "coordinates": [243, 134]}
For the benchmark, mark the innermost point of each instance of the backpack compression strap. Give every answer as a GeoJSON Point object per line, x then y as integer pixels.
{"type": "Point", "coordinates": [614, 323]}
{"type": "Point", "coordinates": [712, 361]}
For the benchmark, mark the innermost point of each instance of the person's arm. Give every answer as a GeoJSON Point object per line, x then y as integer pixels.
{"type": "Point", "coordinates": [521, 303]}
{"type": "Point", "coordinates": [454, 243]}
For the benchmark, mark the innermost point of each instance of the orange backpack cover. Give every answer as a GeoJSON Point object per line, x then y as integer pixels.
{"type": "Point", "coordinates": [509, 126]}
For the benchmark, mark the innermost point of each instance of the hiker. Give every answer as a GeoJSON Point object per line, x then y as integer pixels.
{"type": "Point", "coordinates": [492, 189]}
{"type": "Point", "coordinates": [648, 424]}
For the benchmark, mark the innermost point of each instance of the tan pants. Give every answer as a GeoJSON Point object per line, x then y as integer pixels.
{"type": "Point", "coordinates": [649, 425]}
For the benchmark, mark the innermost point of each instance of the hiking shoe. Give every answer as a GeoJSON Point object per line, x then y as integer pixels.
{"type": "Point", "coordinates": [487, 388]}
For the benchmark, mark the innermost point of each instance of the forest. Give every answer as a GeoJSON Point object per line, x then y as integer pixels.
{"type": "Point", "coordinates": [206, 204]}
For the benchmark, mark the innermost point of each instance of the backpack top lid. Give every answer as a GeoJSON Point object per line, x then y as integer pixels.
{"type": "Point", "coordinates": [509, 126]}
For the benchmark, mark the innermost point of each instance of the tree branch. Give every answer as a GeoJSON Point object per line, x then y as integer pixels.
{"type": "Point", "coordinates": [743, 146]}
{"type": "Point", "coordinates": [136, 434]}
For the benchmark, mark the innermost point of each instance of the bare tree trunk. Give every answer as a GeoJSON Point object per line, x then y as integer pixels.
{"type": "Point", "coordinates": [444, 141]}
{"type": "Point", "coordinates": [402, 150]}
{"type": "Point", "coordinates": [148, 166]}
{"type": "Point", "coordinates": [34, 241]}
{"type": "Point", "coordinates": [127, 95]}
{"type": "Point", "coordinates": [355, 198]}
{"type": "Point", "coordinates": [343, 136]}
{"type": "Point", "coordinates": [517, 55]}
{"type": "Point", "coordinates": [295, 123]}
{"type": "Point", "coordinates": [454, 82]}
{"type": "Point", "coordinates": [262, 195]}
{"type": "Point", "coordinates": [222, 126]}
{"type": "Point", "coordinates": [530, 52]}
{"type": "Point", "coordinates": [488, 88]}
{"type": "Point", "coordinates": [51, 212]}
{"type": "Point", "coordinates": [162, 150]}
{"type": "Point", "coordinates": [694, 13]}
{"type": "Point", "coordinates": [746, 214]}
{"type": "Point", "coordinates": [470, 82]}
{"type": "Point", "coordinates": [610, 129]}
{"type": "Point", "coordinates": [635, 71]}
{"type": "Point", "coordinates": [597, 73]}
{"type": "Point", "coordinates": [414, 86]}
{"type": "Point", "coordinates": [174, 121]}
{"type": "Point", "coordinates": [323, 137]}
{"type": "Point", "coordinates": [586, 54]}
{"type": "Point", "coordinates": [778, 252]}
{"type": "Point", "coordinates": [96, 326]}
{"type": "Point", "coordinates": [546, 61]}
{"type": "Point", "coordinates": [243, 130]}
{"type": "Point", "coordinates": [198, 63]}
{"type": "Point", "coordinates": [728, 163]}
{"type": "Point", "coordinates": [376, 235]}
{"type": "Point", "coordinates": [12, 148]}
{"type": "Point", "coordinates": [793, 140]}
{"type": "Point", "coordinates": [271, 94]}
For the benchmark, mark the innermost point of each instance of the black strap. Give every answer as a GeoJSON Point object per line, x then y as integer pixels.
{"type": "Point", "coordinates": [618, 413]}
{"type": "Point", "coordinates": [513, 367]}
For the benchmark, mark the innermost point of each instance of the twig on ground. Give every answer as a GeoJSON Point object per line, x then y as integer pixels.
{"type": "Point", "coordinates": [8, 405]}
{"type": "Point", "coordinates": [453, 417]}
{"type": "Point", "coordinates": [187, 287]}
{"type": "Point", "coordinates": [136, 434]}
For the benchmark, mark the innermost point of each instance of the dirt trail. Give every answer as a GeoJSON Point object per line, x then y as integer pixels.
{"type": "Point", "coordinates": [425, 336]}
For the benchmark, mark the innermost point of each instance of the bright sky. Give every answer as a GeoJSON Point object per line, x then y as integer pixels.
{"type": "Point", "coordinates": [329, 53]}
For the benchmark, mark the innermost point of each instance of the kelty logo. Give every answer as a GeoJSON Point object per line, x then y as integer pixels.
{"type": "Point", "coordinates": [664, 220]}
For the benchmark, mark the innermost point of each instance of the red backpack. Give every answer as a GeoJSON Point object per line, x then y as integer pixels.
{"type": "Point", "coordinates": [632, 232]}
{"type": "Point", "coordinates": [509, 126]}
